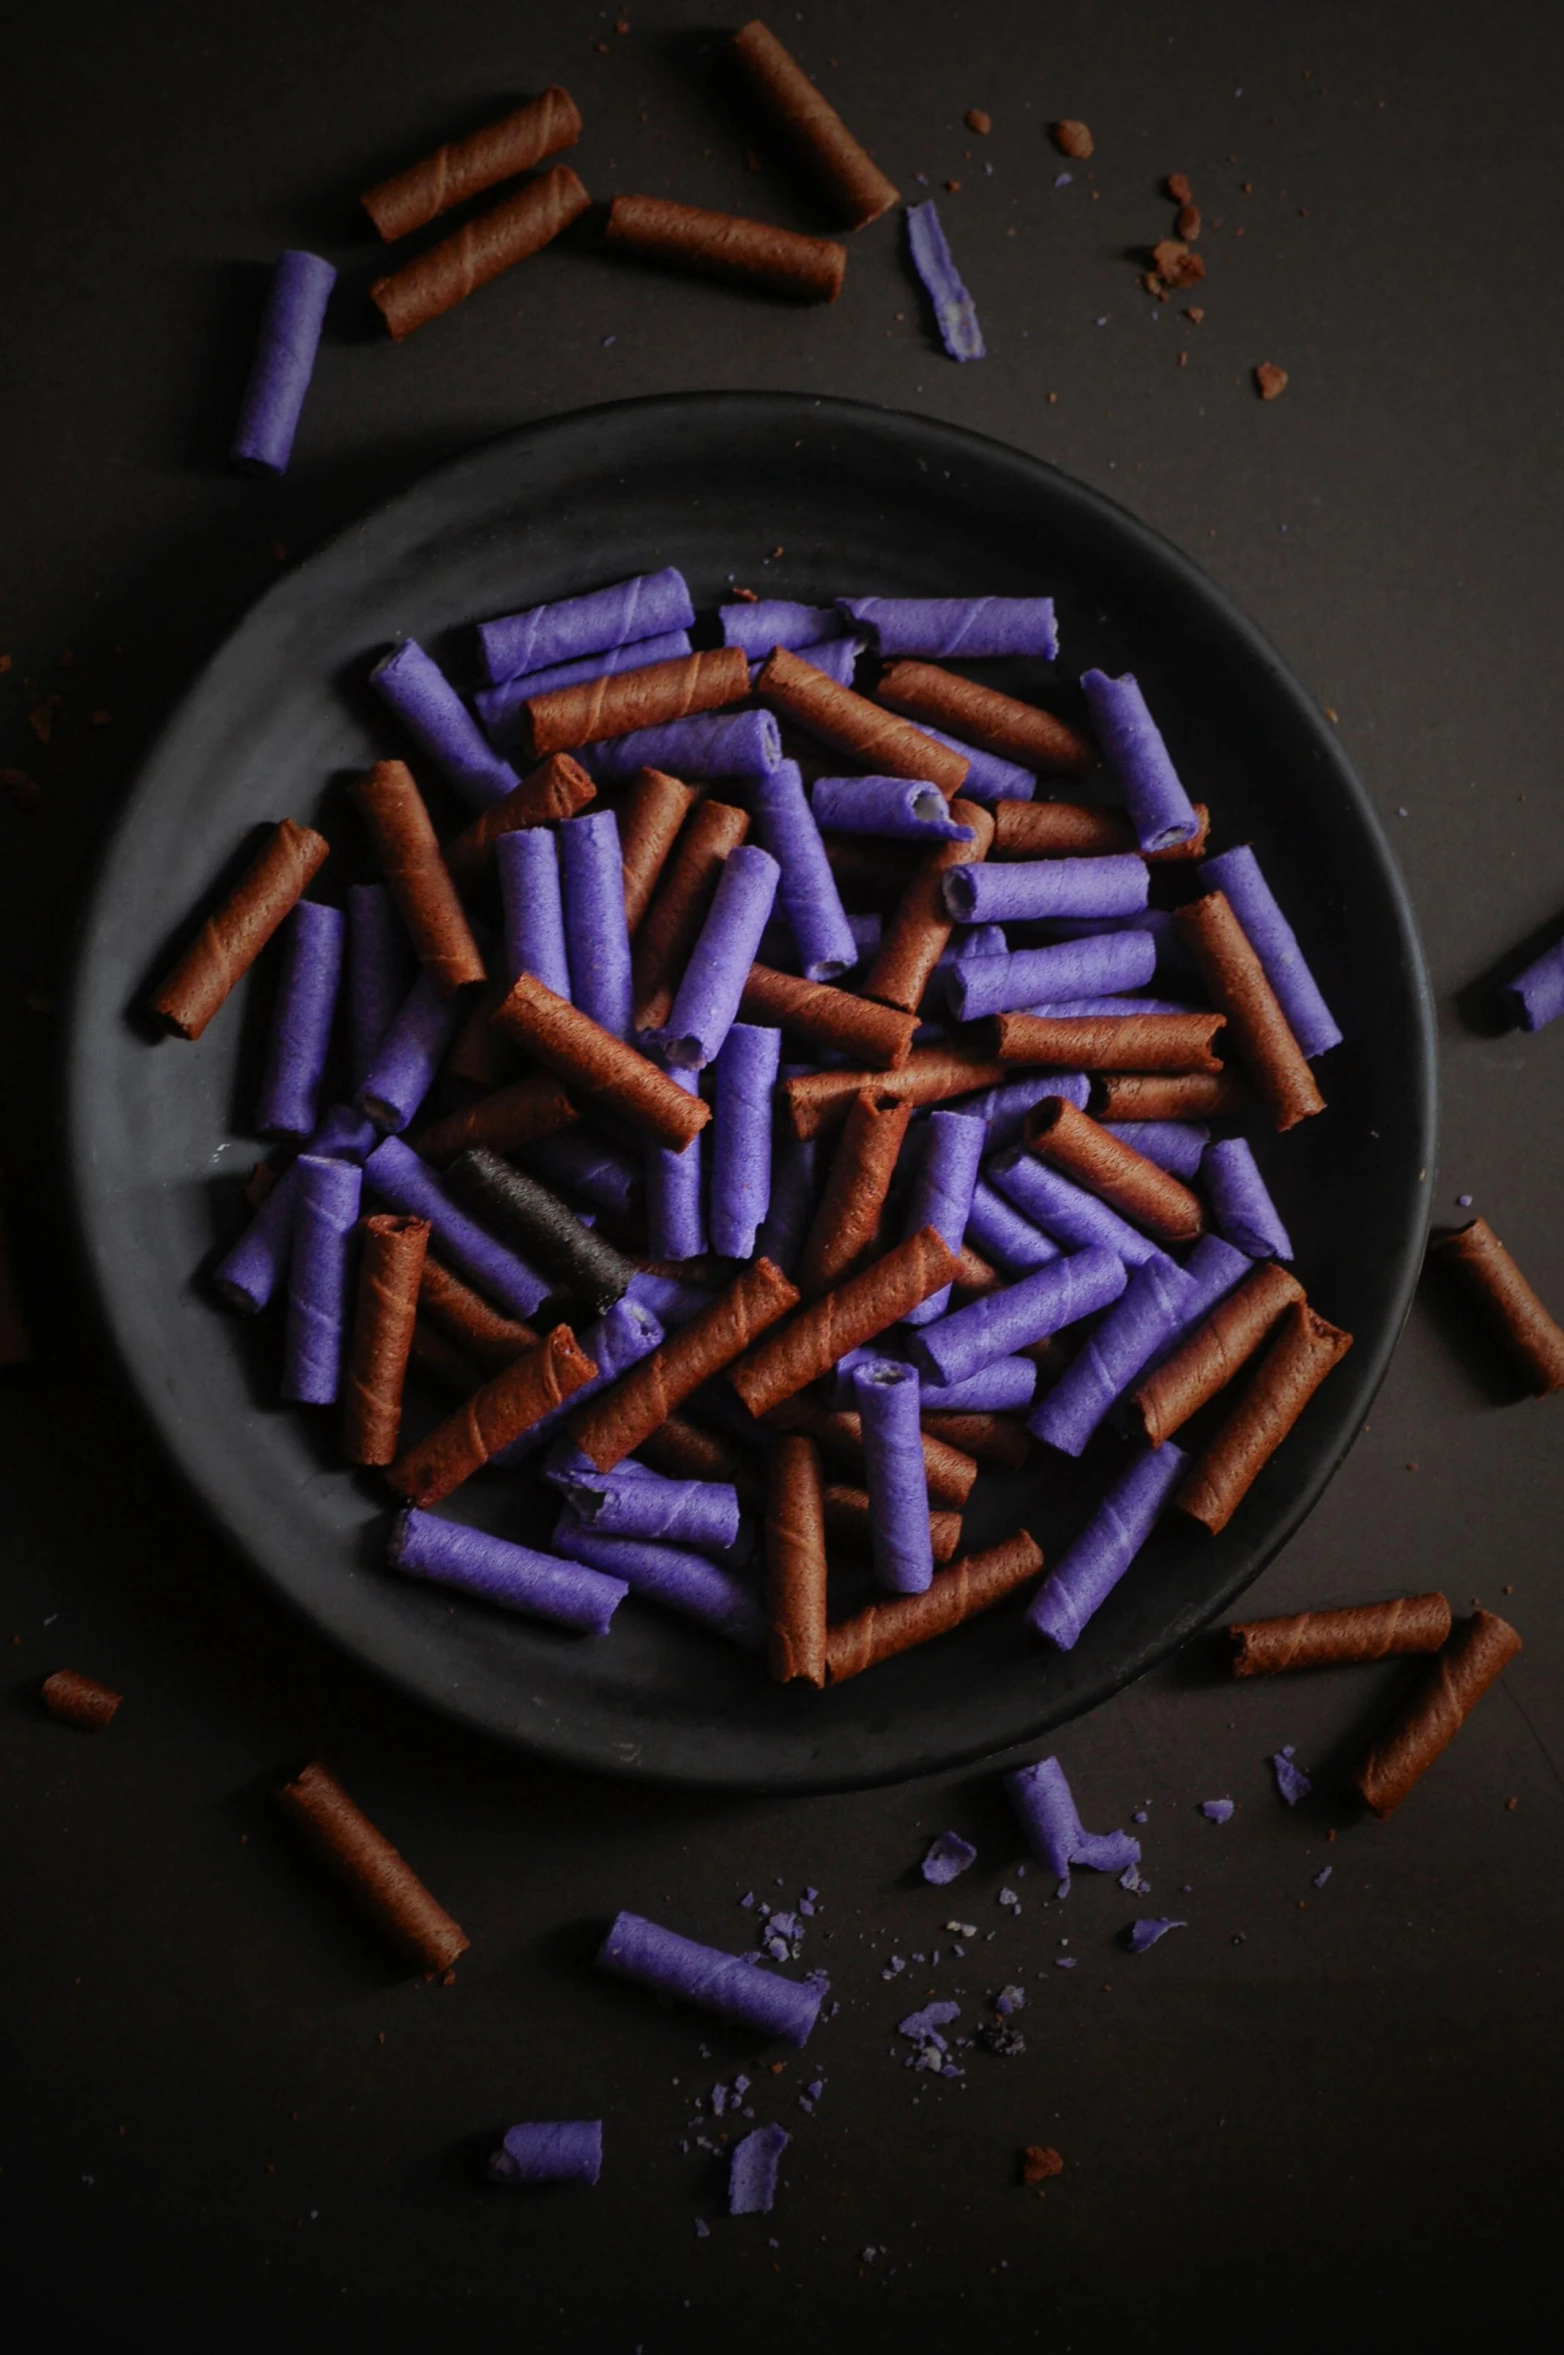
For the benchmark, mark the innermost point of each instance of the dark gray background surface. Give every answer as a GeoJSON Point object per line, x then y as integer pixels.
{"type": "Point", "coordinates": [1316, 2110]}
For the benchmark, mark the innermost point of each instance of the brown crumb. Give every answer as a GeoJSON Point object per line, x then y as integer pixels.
{"type": "Point", "coordinates": [23, 788]}
{"type": "Point", "coordinates": [1183, 359]}
{"type": "Point", "coordinates": [1153, 285]}
{"type": "Point", "coordinates": [1331, 1834]}
{"type": "Point", "coordinates": [1509, 1590]}
{"type": "Point", "coordinates": [1178, 188]}
{"type": "Point", "coordinates": [1510, 1806]}
{"type": "Point", "coordinates": [1246, 188]}
{"type": "Point", "coordinates": [1072, 139]}
{"type": "Point", "coordinates": [41, 718]}
{"type": "Point", "coordinates": [954, 186]}
{"type": "Point", "coordinates": [776, 552]}
{"type": "Point", "coordinates": [622, 26]}
{"type": "Point", "coordinates": [1412, 1467]}
{"type": "Point", "coordinates": [1174, 264]}
{"type": "Point", "coordinates": [1302, 1902]}
{"type": "Point", "coordinates": [776, 2067]}
{"type": "Point", "coordinates": [380, 2035]}
{"type": "Point", "coordinates": [448, 1978]}
{"type": "Point", "coordinates": [1270, 382]}
{"type": "Point", "coordinates": [5, 664]}
{"type": "Point", "coordinates": [1039, 2160]}
{"type": "Point", "coordinates": [1188, 222]}
{"type": "Point", "coordinates": [976, 120]}
{"type": "Point", "coordinates": [747, 596]}
{"type": "Point", "coordinates": [1195, 314]}
{"type": "Point", "coordinates": [102, 719]}
{"type": "Point", "coordinates": [601, 47]}
{"type": "Point", "coordinates": [1332, 715]}
{"type": "Point", "coordinates": [1052, 398]}
{"type": "Point", "coordinates": [1303, 212]}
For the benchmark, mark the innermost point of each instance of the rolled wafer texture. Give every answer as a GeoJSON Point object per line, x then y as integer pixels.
{"type": "Point", "coordinates": [324, 1210]}
{"type": "Point", "coordinates": [1082, 1581]}
{"type": "Point", "coordinates": [843, 1319]}
{"type": "Point", "coordinates": [1213, 1353]}
{"type": "Point", "coordinates": [850, 1516]}
{"type": "Point", "coordinates": [741, 1137]}
{"type": "Point", "coordinates": [969, 1586]}
{"type": "Point", "coordinates": [1067, 830]}
{"type": "Point", "coordinates": [1301, 1354]}
{"type": "Point", "coordinates": [249, 1273]}
{"type": "Point", "coordinates": [1065, 1212]}
{"type": "Point", "coordinates": [566, 2150]}
{"type": "Point", "coordinates": [1054, 1831]}
{"type": "Point", "coordinates": [565, 717]}
{"type": "Point", "coordinates": [509, 1403]}
{"type": "Point", "coordinates": [490, 1339]}
{"type": "Point", "coordinates": [597, 938]}
{"type": "Point", "coordinates": [231, 939]}
{"type": "Point", "coordinates": [1073, 1142]}
{"type": "Point", "coordinates": [417, 1040]}
{"type": "Point", "coordinates": [390, 1269]}
{"type": "Point", "coordinates": [285, 349]}
{"type": "Point", "coordinates": [625, 613]}
{"type": "Point", "coordinates": [1475, 1656]}
{"type": "Point", "coordinates": [707, 999]}
{"type": "Point", "coordinates": [956, 628]}
{"type": "Point", "coordinates": [689, 1451]}
{"type": "Point", "coordinates": [515, 1577]}
{"type": "Point", "coordinates": [712, 744]}
{"type": "Point", "coordinates": [999, 723]}
{"type": "Point", "coordinates": [1044, 1302]}
{"type": "Point", "coordinates": [505, 1121]}
{"type": "Point", "coordinates": [392, 809]}
{"type": "Point", "coordinates": [397, 1174]}
{"type": "Point", "coordinates": [630, 1332]}
{"type": "Point", "coordinates": [502, 709]}
{"type": "Point", "coordinates": [1174, 1145]}
{"type": "Point", "coordinates": [80, 1700]}
{"type": "Point", "coordinates": [846, 1226]}
{"type": "Point", "coordinates": [901, 1539]}
{"type": "Point", "coordinates": [479, 251]}
{"type": "Point", "coordinates": [654, 809]}
{"type": "Point", "coordinates": [1323, 1639]}
{"type": "Point", "coordinates": [1050, 980]}
{"type": "Point", "coordinates": [730, 1985]}
{"type": "Point", "coordinates": [557, 788]}
{"type": "Point", "coordinates": [919, 930]}
{"type": "Point", "coordinates": [1111, 1042]}
{"type": "Point", "coordinates": [617, 1423]}
{"type": "Point", "coordinates": [413, 686]}
{"type": "Point", "coordinates": [795, 1558]}
{"type": "Point", "coordinates": [778, 621]}
{"type": "Point", "coordinates": [678, 908]}
{"type": "Point", "coordinates": [997, 1439]}
{"type": "Point", "coordinates": [953, 1147]}
{"type": "Point", "coordinates": [465, 167]}
{"type": "Point", "coordinates": [1159, 809]}
{"type": "Point", "coordinates": [599, 1068]}
{"type": "Point", "coordinates": [828, 1019]}
{"type": "Point", "coordinates": [1256, 1025]}
{"type": "Point", "coordinates": [538, 1225]}
{"type": "Point", "coordinates": [301, 1023]}
{"type": "Point", "coordinates": [673, 1575]}
{"type": "Point", "coordinates": [847, 174]}
{"type": "Point", "coordinates": [1177, 1095]}
{"type": "Point", "coordinates": [807, 888]}
{"type": "Point", "coordinates": [948, 1473]}
{"type": "Point", "coordinates": [1495, 1286]}
{"type": "Point", "coordinates": [1029, 890]}
{"type": "Point", "coordinates": [851, 723]}
{"type": "Point", "coordinates": [675, 1195]}
{"type": "Point", "coordinates": [895, 809]}
{"type": "Point", "coordinates": [817, 1101]}
{"type": "Point", "coordinates": [1237, 874]}
{"type": "Point", "coordinates": [727, 245]}
{"type": "Point", "coordinates": [630, 1501]}
{"type": "Point", "coordinates": [366, 1860]}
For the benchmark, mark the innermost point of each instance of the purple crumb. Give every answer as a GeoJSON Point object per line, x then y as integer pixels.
{"type": "Point", "coordinates": [1140, 1816]}
{"type": "Point", "coordinates": [752, 2176]}
{"type": "Point", "coordinates": [948, 1855]}
{"type": "Point", "coordinates": [923, 2024]}
{"type": "Point", "coordinates": [1130, 1879]}
{"type": "Point", "coordinates": [1010, 1999]}
{"type": "Point", "coordinates": [1145, 1933]}
{"type": "Point", "coordinates": [1323, 1876]}
{"type": "Point", "coordinates": [1291, 1781]}
{"type": "Point", "coordinates": [1067, 1962]}
{"type": "Point", "coordinates": [1217, 1810]}
{"type": "Point", "coordinates": [702, 2229]}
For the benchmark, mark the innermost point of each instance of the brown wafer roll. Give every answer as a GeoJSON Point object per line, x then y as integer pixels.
{"type": "Point", "coordinates": [392, 808]}
{"type": "Point", "coordinates": [973, 1273]}
{"type": "Point", "coordinates": [436, 1356]}
{"type": "Point", "coordinates": [479, 251]}
{"type": "Point", "coordinates": [655, 807]}
{"type": "Point", "coordinates": [818, 1100]}
{"type": "Point", "coordinates": [844, 1319]}
{"type": "Point", "coordinates": [1212, 1355]}
{"type": "Point", "coordinates": [1322, 1639]}
{"type": "Point", "coordinates": [479, 1054]}
{"type": "Point", "coordinates": [1110, 1042]}
{"type": "Point", "coordinates": [1257, 1027]}
{"type": "Point", "coordinates": [1495, 1286]}
{"type": "Point", "coordinates": [640, 1400]}
{"type": "Point", "coordinates": [490, 1338]}
{"type": "Point", "coordinates": [509, 1118]}
{"type": "Point", "coordinates": [848, 1515]}
{"type": "Point", "coordinates": [671, 924]}
{"type": "Point", "coordinates": [510, 1402]}
{"type": "Point", "coordinates": [1065, 830]}
{"type": "Point", "coordinates": [689, 1451]}
{"type": "Point", "coordinates": [1000, 723]}
{"type": "Point", "coordinates": [726, 245]}
{"type": "Point", "coordinates": [465, 167]}
{"type": "Point", "coordinates": [557, 788]}
{"type": "Point", "coordinates": [383, 1878]}
{"type": "Point", "coordinates": [384, 1313]}
{"type": "Point", "coordinates": [1301, 1355]}
{"type": "Point", "coordinates": [1160, 1095]}
{"type": "Point", "coordinates": [15, 1345]}
{"type": "Point", "coordinates": [973, 1584]}
{"type": "Point", "coordinates": [229, 942]}
{"type": "Point", "coordinates": [996, 1439]}
{"type": "Point", "coordinates": [795, 1562]}
{"type": "Point", "coordinates": [846, 1226]}
{"type": "Point", "coordinates": [948, 1474]}
{"type": "Point", "coordinates": [1476, 1655]}
{"type": "Point", "coordinates": [828, 1018]}
{"type": "Point", "coordinates": [599, 1068]}
{"type": "Point", "coordinates": [81, 1700]}
{"type": "Point", "coordinates": [1073, 1142]}
{"type": "Point", "coordinates": [567, 716]}
{"type": "Point", "coordinates": [852, 724]}
{"type": "Point", "coordinates": [918, 933]}
{"type": "Point", "coordinates": [849, 176]}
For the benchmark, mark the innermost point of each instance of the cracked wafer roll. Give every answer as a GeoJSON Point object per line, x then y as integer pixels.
{"type": "Point", "coordinates": [615, 1424]}
{"type": "Point", "coordinates": [465, 167]}
{"type": "Point", "coordinates": [599, 1068]}
{"type": "Point", "coordinates": [80, 1700]}
{"type": "Point", "coordinates": [538, 1225]}
{"type": "Point", "coordinates": [1108, 1042]}
{"type": "Point", "coordinates": [727, 245]}
{"type": "Point", "coordinates": [505, 1121]}
{"type": "Point", "coordinates": [845, 171]}
{"type": "Point", "coordinates": [849, 1516]}
{"type": "Point", "coordinates": [851, 723]}
{"type": "Point", "coordinates": [1494, 1285]}
{"type": "Point", "coordinates": [231, 939]}
{"type": "Point", "coordinates": [679, 906]}
{"type": "Point", "coordinates": [949, 1473]}
{"type": "Point", "coordinates": [558, 787]}
{"type": "Point", "coordinates": [1073, 1142]}
{"type": "Point", "coordinates": [828, 1019]}
{"type": "Point", "coordinates": [1207, 1361]}
{"type": "Point", "coordinates": [1356, 1631]}
{"type": "Point", "coordinates": [567, 717]}
{"type": "Point", "coordinates": [460, 264]}
{"type": "Point", "coordinates": [1479, 1652]}
{"type": "Point", "coordinates": [1166, 1095]}
{"type": "Point", "coordinates": [817, 1101]}
{"type": "Point", "coordinates": [1303, 1351]}
{"type": "Point", "coordinates": [846, 1225]}
{"type": "Point", "coordinates": [385, 1311]}
{"type": "Point", "coordinates": [366, 1860]}
{"type": "Point", "coordinates": [919, 929]}
{"type": "Point", "coordinates": [895, 809]}
{"type": "Point", "coordinates": [488, 1337]}
{"type": "Point", "coordinates": [973, 1584]}
{"type": "Point", "coordinates": [1068, 830]}
{"type": "Point", "coordinates": [995, 1439]}
{"type": "Point", "coordinates": [630, 1501]}
{"type": "Point", "coordinates": [810, 1344]}
{"type": "Point", "coordinates": [728, 1984]}
{"type": "Point", "coordinates": [999, 723]}
{"type": "Point", "coordinates": [510, 1402]}
{"type": "Point", "coordinates": [1256, 1026]}
{"type": "Point", "coordinates": [795, 1558]}
{"type": "Point", "coordinates": [392, 809]}
{"type": "Point", "coordinates": [653, 812]}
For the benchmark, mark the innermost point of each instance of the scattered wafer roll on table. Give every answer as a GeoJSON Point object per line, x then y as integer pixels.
{"type": "Point", "coordinates": [846, 173]}
{"type": "Point", "coordinates": [465, 167]}
{"type": "Point", "coordinates": [1479, 1263]}
{"type": "Point", "coordinates": [726, 245]}
{"type": "Point", "coordinates": [444, 276]}
{"type": "Point", "coordinates": [373, 1869]}
{"type": "Point", "coordinates": [1325, 1639]}
{"type": "Point", "coordinates": [1478, 1653]}
{"type": "Point", "coordinates": [80, 1700]}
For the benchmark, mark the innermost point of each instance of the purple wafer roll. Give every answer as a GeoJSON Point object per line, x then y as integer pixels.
{"type": "Point", "coordinates": [1022, 890]}
{"type": "Point", "coordinates": [711, 744]}
{"type": "Point", "coordinates": [797, 1171]}
{"type": "Point", "coordinates": [1156, 804]}
{"type": "Point", "coordinates": [896, 807]}
{"type": "Point", "coordinates": [501, 708]}
{"type": "Point", "coordinates": [673, 1303]}
{"type": "Point", "coordinates": [631, 1501]}
{"type": "Point", "coordinates": [1003, 1110]}
{"type": "Point", "coordinates": [941, 1197]}
{"type": "Point", "coordinates": [972, 940]}
{"type": "Point", "coordinates": [596, 933]}
{"type": "Point", "coordinates": [777, 621]}
{"type": "Point", "coordinates": [879, 1352]}
{"type": "Point", "coordinates": [1537, 995]}
{"type": "Point", "coordinates": [325, 1206]}
{"type": "Point", "coordinates": [516, 1577]}
{"type": "Point", "coordinates": [434, 715]}
{"type": "Point", "coordinates": [806, 888]}
{"type": "Point", "coordinates": [753, 2170]}
{"type": "Point", "coordinates": [284, 361]}
{"type": "Point", "coordinates": [1174, 962]}
{"type": "Point", "coordinates": [576, 1161]}
{"type": "Point", "coordinates": [885, 1395]}
{"type": "Point", "coordinates": [837, 657]}
{"type": "Point", "coordinates": [1153, 1304]}
{"type": "Point", "coordinates": [996, 1228]}
{"type": "Point", "coordinates": [396, 1174]}
{"type": "Point", "coordinates": [674, 1575]}
{"type": "Point", "coordinates": [1174, 1145]}
{"type": "Point", "coordinates": [410, 1053]}
{"type": "Point", "coordinates": [1237, 872]}
{"type": "Point", "coordinates": [1054, 1832]}
{"type": "Point", "coordinates": [1241, 1204]}
{"type": "Point", "coordinates": [954, 314]}
{"type": "Point", "coordinates": [301, 1023]}
{"type": "Point", "coordinates": [956, 629]}
{"type": "Point", "coordinates": [706, 1002]}
{"type": "Point", "coordinates": [1114, 1535]}
{"type": "Point", "coordinates": [615, 1343]}
{"type": "Point", "coordinates": [1003, 1388]}
{"type": "Point", "coordinates": [735, 1986]}
{"type": "Point", "coordinates": [1065, 1210]}
{"type": "Point", "coordinates": [741, 1127]}
{"type": "Point", "coordinates": [1000, 1323]}
{"type": "Point", "coordinates": [988, 777]}
{"type": "Point", "coordinates": [1066, 1009]}
{"type": "Point", "coordinates": [248, 1274]}
{"type": "Point", "coordinates": [533, 900]}
{"type": "Point", "coordinates": [567, 2150]}
{"type": "Point", "coordinates": [381, 969]}
{"type": "Point", "coordinates": [641, 607]}
{"type": "Point", "coordinates": [675, 1222]}
{"type": "Point", "coordinates": [1070, 969]}
{"type": "Point", "coordinates": [1213, 1267]}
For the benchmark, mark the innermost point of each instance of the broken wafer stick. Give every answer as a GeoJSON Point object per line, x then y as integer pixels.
{"type": "Point", "coordinates": [846, 1226]}
{"type": "Point", "coordinates": [231, 939]}
{"type": "Point", "coordinates": [80, 1700]}
{"type": "Point", "coordinates": [1475, 1656]}
{"type": "Point", "coordinates": [999, 723]}
{"type": "Point", "coordinates": [479, 251]}
{"type": "Point", "coordinates": [973, 1584]}
{"type": "Point", "coordinates": [465, 167]}
{"type": "Point", "coordinates": [1324, 1639]}
{"type": "Point", "coordinates": [795, 1562]}
{"type": "Point", "coordinates": [366, 1860]}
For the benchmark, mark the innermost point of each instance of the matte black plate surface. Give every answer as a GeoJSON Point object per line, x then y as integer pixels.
{"type": "Point", "coordinates": [859, 499]}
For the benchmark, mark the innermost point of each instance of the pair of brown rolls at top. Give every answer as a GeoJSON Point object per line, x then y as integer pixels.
{"type": "Point", "coordinates": [1478, 1262]}
{"type": "Point", "coordinates": [675, 910]}
{"type": "Point", "coordinates": [510, 1402]}
{"type": "Point", "coordinates": [726, 245]}
{"type": "Point", "coordinates": [1067, 830]}
{"type": "Point", "coordinates": [390, 1273]}
{"type": "Point", "coordinates": [564, 718]}
{"type": "Point", "coordinates": [785, 1362]}
{"type": "Point", "coordinates": [845, 172]}
{"type": "Point", "coordinates": [1303, 1352]}
{"type": "Point", "coordinates": [851, 723]}
{"type": "Point", "coordinates": [381, 1877]}
{"type": "Point", "coordinates": [557, 788]}
{"type": "Point", "coordinates": [598, 1067]}
{"type": "Point", "coordinates": [466, 167]}
{"type": "Point", "coordinates": [633, 1408]}
{"type": "Point", "coordinates": [1071, 1141]}
{"type": "Point", "coordinates": [830, 1020]}
{"type": "Point", "coordinates": [846, 1224]}
{"type": "Point", "coordinates": [1110, 1042]}
{"type": "Point", "coordinates": [392, 808]}
{"type": "Point", "coordinates": [981, 715]}
{"type": "Point", "coordinates": [231, 939]}
{"type": "Point", "coordinates": [479, 251]}
{"type": "Point", "coordinates": [920, 927]}
{"type": "Point", "coordinates": [1235, 980]}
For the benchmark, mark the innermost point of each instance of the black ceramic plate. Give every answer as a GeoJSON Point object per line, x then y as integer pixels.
{"type": "Point", "coordinates": [860, 500]}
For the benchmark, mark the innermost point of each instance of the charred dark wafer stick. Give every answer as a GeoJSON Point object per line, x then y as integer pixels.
{"type": "Point", "coordinates": [523, 1213]}
{"type": "Point", "coordinates": [489, 1337]}
{"type": "Point", "coordinates": [230, 940]}
{"type": "Point", "coordinates": [852, 724]}
{"type": "Point", "coordinates": [996, 1439]}
{"type": "Point", "coordinates": [810, 1344]}
{"type": "Point", "coordinates": [654, 809]}
{"type": "Point", "coordinates": [624, 1416]}
{"type": "Point", "coordinates": [479, 251]}
{"type": "Point", "coordinates": [846, 1226]}
{"type": "Point", "coordinates": [1067, 830]}
{"type": "Point", "coordinates": [465, 167]}
{"type": "Point", "coordinates": [726, 245]}
{"type": "Point", "coordinates": [973, 1584]}
{"type": "Point", "coordinates": [80, 1700]}
{"type": "Point", "coordinates": [366, 1860]}
{"type": "Point", "coordinates": [1071, 1141]}
{"type": "Point", "coordinates": [564, 717]}
{"type": "Point", "coordinates": [511, 1117]}
{"type": "Point", "coordinates": [392, 808]}
{"type": "Point", "coordinates": [845, 171]}
{"type": "Point", "coordinates": [437, 1356]}
{"type": "Point", "coordinates": [848, 1516]}
{"type": "Point", "coordinates": [829, 1019]}
{"type": "Point", "coordinates": [1215, 1351]}
{"type": "Point", "coordinates": [949, 1473]}
{"type": "Point", "coordinates": [510, 1402]}
{"type": "Point", "coordinates": [678, 908]}
{"type": "Point", "coordinates": [599, 1068]}
{"type": "Point", "coordinates": [1301, 1355]}
{"type": "Point", "coordinates": [795, 1562]}
{"type": "Point", "coordinates": [1495, 1287]}
{"type": "Point", "coordinates": [1235, 980]}
{"type": "Point", "coordinates": [1323, 1639]}
{"type": "Point", "coordinates": [689, 1451]}
{"type": "Point", "coordinates": [1162, 1095]}
{"type": "Point", "coordinates": [1000, 723]}
{"type": "Point", "coordinates": [1110, 1042]}
{"type": "Point", "coordinates": [919, 930]}
{"type": "Point", "coordinates": [818, 1100]}
{"type": "Point", "coordinates": [1476, 1655]}
{"type": "Point", "coordinates": [557, 788]}
{"type": "Point", "coordinates": [384, 1314]}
